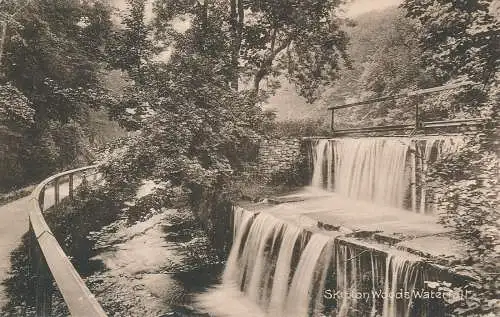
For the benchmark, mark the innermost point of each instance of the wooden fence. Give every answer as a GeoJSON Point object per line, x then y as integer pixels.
{"type": "Point", "coordinates": [418, 125]}
{"type": "Point", "coordinates": [49, 262]}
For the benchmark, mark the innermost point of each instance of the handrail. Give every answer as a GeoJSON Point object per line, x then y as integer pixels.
{"type": "Point", "coordinates": [404, 95]}
{"type": "Point", "coordinates": [418, 119]}
{"type": "Point", "coordinates": [79, 299]}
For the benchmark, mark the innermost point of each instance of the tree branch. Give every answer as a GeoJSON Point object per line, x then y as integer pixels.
{"type": "Point", "coordinates": [267, 63]}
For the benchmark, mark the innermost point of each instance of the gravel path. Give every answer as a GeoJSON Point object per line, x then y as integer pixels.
{"type": "Point", "coordinates": [13, 224]}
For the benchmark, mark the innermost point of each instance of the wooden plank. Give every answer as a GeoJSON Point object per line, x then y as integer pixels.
{"type": "Point", "coordinates": [454, 123]}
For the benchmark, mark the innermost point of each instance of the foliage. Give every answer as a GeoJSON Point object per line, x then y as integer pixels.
{"type": "Point", "coordinates": [15, 195]}
{"type": "Point", "coordinates": [262, 39]}
{"type": "Point", "coordinates": [467, 191]}
{"type": "Point", "coordinates": [16, 115]}
{"type": "Point", "coordinates": [130, 46]}
{"type": "Point", "coordinates": [72, 222]}
{"type": "Point", "coordinates": [299, 128]}
{"type": "Point", "coordinates": [52, 54]}
{"type": "Point", "coordinates": [385, 56]}
{"type": "Point", "coordinates": [15, 109]}
{"type": "Point", "coordinates": [458, 39]}
{"type": "Point", "coordinates": [459, 42]}
{"type": "Point", "coordinates": [191, 138]}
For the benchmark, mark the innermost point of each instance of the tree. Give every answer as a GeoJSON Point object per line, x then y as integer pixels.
{"type": "Point", "coordinates": [459, 41]}
{"type": "Point", "coordinates": [266, 39]}
{"type": "Point", "coordinates": [16, 116]}
{"type": "Point", "coordinates": [52, 53]}
{"type": "Point", "coordinates": [385, 55]}
{"type": "Point", "coordinates": [130, 45]}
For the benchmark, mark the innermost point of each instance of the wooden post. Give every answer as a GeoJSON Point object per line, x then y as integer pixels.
{"type": "Point", "coordinates": [56, 192]}
{"type": "Point", "coordinates": [413, 177]}
{"type": "Point", "coordinates": [41, 200]}
{"type": "Point", "coordinates": [71, 186]}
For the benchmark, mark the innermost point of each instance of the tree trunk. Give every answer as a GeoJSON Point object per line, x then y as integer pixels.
{"type": "Point", "coordinates": [237, 19]}
{"type": "Point", "coordinates": [2, 44]}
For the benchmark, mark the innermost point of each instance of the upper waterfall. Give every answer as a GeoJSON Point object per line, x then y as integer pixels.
{"type": "Point", "coordinates": [383, 170]}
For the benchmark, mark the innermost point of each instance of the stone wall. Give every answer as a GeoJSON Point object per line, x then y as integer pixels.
{"type": "Point", "coordinates": [280, 162]}
{"type": "Point", "coordinates": [278, 155]}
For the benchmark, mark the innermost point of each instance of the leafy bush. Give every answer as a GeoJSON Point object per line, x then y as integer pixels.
{"type": "Point", "coordinates": [467, 187]}
{"type": "Point", "coordinates": [16, 115]}
{"type": "Point", "coordinates": [300, 128]}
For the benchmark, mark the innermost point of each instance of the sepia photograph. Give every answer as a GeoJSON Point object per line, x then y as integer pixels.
{"type": "Point", "coordinates": [249, 158]}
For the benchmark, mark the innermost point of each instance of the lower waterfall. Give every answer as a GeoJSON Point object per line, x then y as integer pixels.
{"type": "Point", "coordinates": [276, 268]}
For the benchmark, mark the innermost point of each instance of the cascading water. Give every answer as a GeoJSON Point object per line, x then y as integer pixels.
{"type": "Point", "coordinates": [300, 301]}
{"type": "Point", "coordinates": [318, 157]}
{"type": "Point", "coordinates": [377, 169]}
{"type": "Point", "coordinates": [371, 169]}
{"type": "Point", "coordinates": [401, 275]}
{"type": "Point", "coordinates": [278, 268]}
{"type": "Point", "coordinates": [263, 266]}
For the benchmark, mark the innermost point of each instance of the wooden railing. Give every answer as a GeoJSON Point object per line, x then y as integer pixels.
{"type": "Point", "coordinates": [49, 262]}
{"type": "Point", "coordinates": [418, 124]}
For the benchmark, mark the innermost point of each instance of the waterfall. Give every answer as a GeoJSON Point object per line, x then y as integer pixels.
{"type": "Point", "coordinates": [263, 268]}
{"type": "Point", "coordinates": [401, 274]}
{"type": "Point", "coordinates": [277, 269]}
{"type": "Point", "coordinates": [299, 301]}
{"type": "Point", "coordinates": [276, 265]}
{"type": "Point", "coordinates": [377, 169]}
{"type": "Point", "coordinates": [370, 169]}
{"type": "Point", "coordinates": [318, 156]}
{"type": "Point", "coordinates": [283, 268]}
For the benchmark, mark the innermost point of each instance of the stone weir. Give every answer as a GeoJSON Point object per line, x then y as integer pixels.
{"type": "Point", "coordinates": [315, 253]}
{"type": "Point", "coordinates": [362, 240]}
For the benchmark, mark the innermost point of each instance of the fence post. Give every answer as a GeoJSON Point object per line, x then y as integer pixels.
{"type": "Point", "coordinates": [41, 200]}
{"type": "Point", "coordinates": [71, 186]}
{"type": "Point", "coordinates": [85, 181]}
{"type": "Point", "coordinates": [56, 192]}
